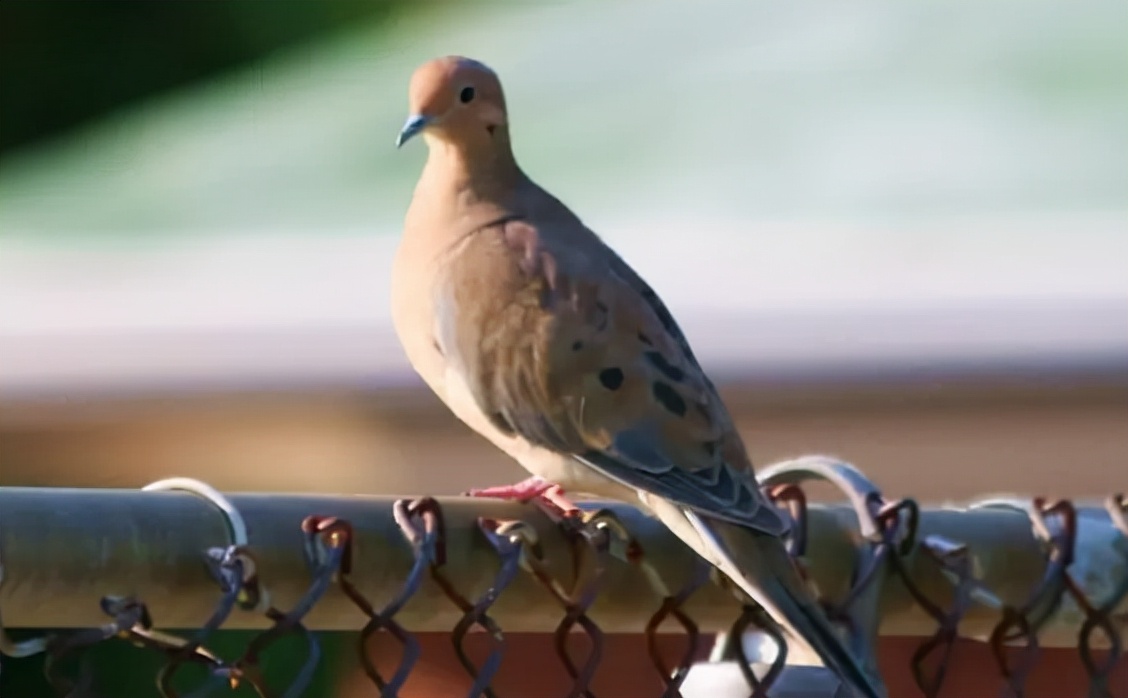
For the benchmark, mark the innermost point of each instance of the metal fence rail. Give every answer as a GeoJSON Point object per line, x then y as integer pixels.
{"type": "Point", "coordinates": [118, 563]}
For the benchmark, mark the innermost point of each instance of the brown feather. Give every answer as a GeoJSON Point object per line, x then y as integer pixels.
{"type": "Point", "coordinates": [563, 344]}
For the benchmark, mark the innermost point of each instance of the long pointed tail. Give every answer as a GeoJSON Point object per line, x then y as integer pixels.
{"type": "Point", "coordinates": [760, 565]}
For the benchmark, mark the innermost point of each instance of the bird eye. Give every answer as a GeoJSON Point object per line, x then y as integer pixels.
{"type": "Point", "coordinates": [466, 95]}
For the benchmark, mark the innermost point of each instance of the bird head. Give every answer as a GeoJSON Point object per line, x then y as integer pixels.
{"type": "Point", "coordinates": [454, 99]}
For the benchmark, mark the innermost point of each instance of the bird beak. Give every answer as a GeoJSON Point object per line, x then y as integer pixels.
{"type": "Point", "coordinates": [411, 128]}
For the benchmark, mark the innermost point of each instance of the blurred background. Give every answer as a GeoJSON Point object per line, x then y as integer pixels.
{"type": "Point", "coordinates": [894, 232]}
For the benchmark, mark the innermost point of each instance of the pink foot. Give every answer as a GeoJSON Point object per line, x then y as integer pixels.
{"type": "Point", "coordinates": [549, 495]}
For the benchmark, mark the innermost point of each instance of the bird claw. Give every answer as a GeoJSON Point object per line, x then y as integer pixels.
{"type": "Point", "coordinates": [548, 496]}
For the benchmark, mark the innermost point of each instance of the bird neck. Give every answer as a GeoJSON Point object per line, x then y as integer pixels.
{"type": "Point", "coordinates": [475, 170]}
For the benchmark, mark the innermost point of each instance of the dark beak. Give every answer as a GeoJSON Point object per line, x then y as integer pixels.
{"type": "Point", "coordinates": [411, 128]}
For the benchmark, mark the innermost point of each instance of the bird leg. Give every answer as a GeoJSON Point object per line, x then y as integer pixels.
{"type": "Point", "coordinates": [547, 494]}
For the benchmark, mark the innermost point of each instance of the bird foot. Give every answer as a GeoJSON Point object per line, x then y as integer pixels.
{"type": "Point", "coordinates": [548, 495]}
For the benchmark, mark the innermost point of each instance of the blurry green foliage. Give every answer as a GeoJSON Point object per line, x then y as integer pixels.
{"type": "Point", "coordinates": [122, 670]}
{"type": "Point", "coordinates": [63, 62]}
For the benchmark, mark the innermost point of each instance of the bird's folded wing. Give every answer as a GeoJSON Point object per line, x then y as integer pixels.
{"type": "Point", "coordinates": [582, 357]}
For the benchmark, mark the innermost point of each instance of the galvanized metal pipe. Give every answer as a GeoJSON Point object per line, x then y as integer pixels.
{"type": "Point", "coordinates": [63, 549]}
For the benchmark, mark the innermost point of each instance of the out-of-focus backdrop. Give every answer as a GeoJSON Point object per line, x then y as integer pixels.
{"type": "Point", "coordinates": [898, 233]}
{"type": "Point", "coordinates": [894, 232]}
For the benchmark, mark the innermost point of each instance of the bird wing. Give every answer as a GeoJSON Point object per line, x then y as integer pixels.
{"type": "Point", "coordinates": [563, 345]}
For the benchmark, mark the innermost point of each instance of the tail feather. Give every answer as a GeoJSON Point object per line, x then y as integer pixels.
{"type": "Point", "coordinates": [760, 565]}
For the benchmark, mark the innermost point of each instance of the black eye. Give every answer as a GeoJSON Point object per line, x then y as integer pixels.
{"type": "Point", "coordinates": [466, 95]}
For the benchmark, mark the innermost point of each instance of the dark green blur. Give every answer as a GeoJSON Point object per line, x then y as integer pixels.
{"type": "Point", "coordinates": [65, 62]}
{"type": "Point", "coordinates": [121, 670]}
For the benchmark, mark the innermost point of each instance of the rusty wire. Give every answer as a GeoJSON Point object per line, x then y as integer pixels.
{"type": "Point", "coordinates": [671, 608]}
{"type": "Point", "coordinates": [898, 538]}
{"type": "Point", "coordinates": [953, 559]}
{"type": "Point", "coordinates": [888, 532]}
{"type": "Point", "coordinates": [419, 523]}
{"type": "Point", "coordinates": [754, 617]}
{"type": "Point", "coordinates": [593, 544]}
{"type": "Point", "coordinates": [324, 549]}
{"type": "Point", "coordinates": [475, 614]}
{"type": "Point", "coordinates": [132, 622]}
{"type": "Point", "coordinates": [1022, 623]}
{"type": "Point", "coordinates": [233, 568]}
{"type": "Point", "coordinates": [1098, 616]}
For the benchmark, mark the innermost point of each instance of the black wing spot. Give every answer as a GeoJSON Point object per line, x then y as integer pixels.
{"type": "Point", "coordinates": [644, 339]}
{"type": "Point", "coordinates": [665, 367]}
{"type": "Point", "coordinates": [668, 398]}
{"type": "Point", "coordinates": [711, 448]}
{"type": "Point", "coordinates": [611, 378]}
{"type": "Point", "coordinates": [577, 345]}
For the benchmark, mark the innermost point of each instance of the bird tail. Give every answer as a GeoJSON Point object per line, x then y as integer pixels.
{"type": "Point", "coordinates": [761, 566]}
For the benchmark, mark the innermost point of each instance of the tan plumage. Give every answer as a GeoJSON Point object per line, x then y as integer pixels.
{"type": "Point", "coordinates": [538, 336]}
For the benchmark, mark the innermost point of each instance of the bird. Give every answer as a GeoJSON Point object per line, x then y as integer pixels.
{"type": "Point", "coordinates": [540, 337]}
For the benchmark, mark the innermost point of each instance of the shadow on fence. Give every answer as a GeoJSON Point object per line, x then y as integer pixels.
{"type": "Point", "coordinates": [1017, 575]}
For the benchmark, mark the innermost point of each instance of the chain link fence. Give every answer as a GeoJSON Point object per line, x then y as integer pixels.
{"type": "Point", "coordinates": [1016, 574]}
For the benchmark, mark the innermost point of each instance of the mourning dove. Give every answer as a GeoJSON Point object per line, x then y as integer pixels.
{"type": "Point", "coordinates": [542, 339]}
